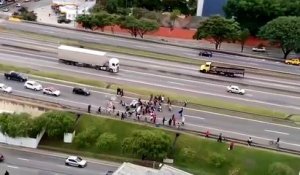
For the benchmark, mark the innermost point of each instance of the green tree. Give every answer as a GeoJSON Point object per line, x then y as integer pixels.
{"type": "Point", "coordinates": [102, 20]}
{"type": "Point", "coordinates": [105, 141]}
{"type": "Point", "coordinates": [131, 24]}
{"type": "Point", "coordinates": [280, 169]}
{"type": "Point", "coordinates": [147, 144]}
{"type": "Point", "coordinates": [253, 14]}
{"type": "Point", "coordinates": [173, 16]}
{"type": "Point", "coordinates": [87, 137]}
{"type": "Point", "coordinates": [111, 6]}
{"type": "Point", "coordinates": [146, 25]}
{"type": "Point", "coordinates": [242, 37]}
{"type": "Point", "coordinates": [87, 21]}
{"type": "Point", "coordinates": [284, 31]}
{"type": "Point", "coordinates": [181, 5]}
{"type": "Point", "coordinates": [58, 123]}
{"type": "Point", "coordinates": [219, 29]}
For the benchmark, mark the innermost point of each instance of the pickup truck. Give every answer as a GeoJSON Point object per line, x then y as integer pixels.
{"type": "Point", "coordinates": [15, 76]}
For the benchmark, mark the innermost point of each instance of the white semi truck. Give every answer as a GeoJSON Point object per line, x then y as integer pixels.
{"type": "Point", "coordinates": [87, 58]}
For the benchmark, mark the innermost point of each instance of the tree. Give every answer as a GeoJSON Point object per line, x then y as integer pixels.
{"type": "Point", "coordinates": [87, 21]}
{"type": "Point", "coordinates": [146, 25]}
{"type": "Point", "coordinates": [147, 144]}
{"type": "Point", "coordinates": [131, 24]}
{"type": "Point", "coordinates": [181, 5]}
{"type": "Point", "coordinates": [106, 140]}
{"type": "Point", "coordinates": [284, 31]}
{"type": "Point", "coordinates": [253, 14]}
{"type": "Point", "coordinates": [242, 37]}
{"type": "Point", "coordinates": [173, 16]}
{"type": "Point", "coordinates": [280, 169]}
{"type": "Point", "coordinates": [111, 6]}
{"type": "Point", "coordinates": [87, 137]}
{"type": "Point", "coordinates": [102, 20]}
{"type": "Point", "coordinates": [219, 29]}
{"type": "Point", "coordinates": [58, 123]}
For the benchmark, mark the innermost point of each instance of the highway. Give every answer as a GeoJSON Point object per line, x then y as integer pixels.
{"type": "Point", "coordinates": [199, 120]}
{"type": "Point", "coordinates": [153, 47]}
{"type": "Point", "coordinates": [272, 93]}
{"type": "Point", "coordinates": [36, 162]}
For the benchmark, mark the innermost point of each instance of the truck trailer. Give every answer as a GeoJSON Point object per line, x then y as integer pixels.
{"type": "Point", "coordinates": [87, 58]}
{"type": "Point", "coordinates": [226, 71]}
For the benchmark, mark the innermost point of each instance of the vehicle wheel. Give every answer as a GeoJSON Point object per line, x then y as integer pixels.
{"type": "Point", "coordinates": [230, 91]}
{"type": "Point", "coordinates": [66, 164]}
{"type": "Point", "coordinates": [35, 89]}
{"type": "Point", "coordinates": [80, 166]}
{"type": "Point", "coordinates": [110, 70]}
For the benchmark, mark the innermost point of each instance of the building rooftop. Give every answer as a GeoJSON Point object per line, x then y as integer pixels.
{"type": "Point", "coordinates": [132, 169]}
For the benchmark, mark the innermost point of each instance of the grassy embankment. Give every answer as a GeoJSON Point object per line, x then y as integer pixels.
{"type": "Point", "coordinates": [210, 104]}
{"type": "Point", "coordinates": [192, 153]}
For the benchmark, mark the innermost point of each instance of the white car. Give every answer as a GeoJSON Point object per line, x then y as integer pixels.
{"type": "Point", "coordinates": [76, 161]}
{"type": "Point", "coordinates": [261, 49]}
{"type": "Point", "coordinates": [33, 85]}
{"type": "Point", "coordinates": [5, 88]}
{"type": "Point", "coordinates": [235, 90]}
{"type": "Point", "coordinates": [51, 91]}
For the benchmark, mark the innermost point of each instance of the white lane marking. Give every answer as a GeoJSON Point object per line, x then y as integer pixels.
{"type": "Point", "coordinates": [241, 134]}
{"type": "Point", "coordinates": [144, 47]}
{"type": "Point", "coordinates": [27, 41]}
{"type": "Point", "coordinates": [277, 132]}
{"type": "Point", "coordinates": [249, 95]}
{"type": "Point", "coordinates": [10, 166]}
{"type": "Point", "coordinates": [274, 84]}
{"type": "Point", "coordinates": [196, 117]}
{"type": "Point", "coordinates": [29, 54]}
{"type": "Point", "coordinates": [23, 159]}
{"type": "Point", "coordinates": [176, 83]}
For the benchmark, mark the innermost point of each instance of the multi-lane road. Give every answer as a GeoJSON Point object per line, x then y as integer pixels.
{"type": "Point", "coordinates": [153, 47]}
{"type": "Point", "coordinates": [273, 93]}
{"type": "Point", "coordinates": [39, 162]}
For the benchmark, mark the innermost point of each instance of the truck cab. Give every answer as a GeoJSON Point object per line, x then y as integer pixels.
{"type": "Point", "coordinates": [205, 67]}
{"type": "Point", "coordinates": [113, 65]}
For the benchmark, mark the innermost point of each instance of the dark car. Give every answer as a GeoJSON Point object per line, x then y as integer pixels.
{"type": "Point", "coordinates": [63, 19]}
{"type": "Point", "coordinates": [109, 172]}
{"type": "Point", "coordinates": [81, 91]}
{"type": "Point", "coordinates": [15, 76]}
{"type": "Point", "coordinates": [205, 54]}
{"type": "Point", "coordinates": [1, 158]}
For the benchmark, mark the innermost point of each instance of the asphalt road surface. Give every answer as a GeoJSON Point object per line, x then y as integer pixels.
{"type": "Point", "coordinates": [232, 126]}
{"type": "Point", "coordinates": [135, 71]}
{"type": "Point", "coordinates": [20, 162]}
{"type": "Point", "coordinates": [153, 47]}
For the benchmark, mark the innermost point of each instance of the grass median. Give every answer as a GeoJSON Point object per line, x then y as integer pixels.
{"type": "Point", "coordinates": [192, 153]}
{"type": "Point", "coordinates": [214, 105]}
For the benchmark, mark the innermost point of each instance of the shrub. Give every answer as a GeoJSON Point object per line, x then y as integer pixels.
{"type": "Point", "coordinates": [105, 141]}
{"type": "Point", "coordinates": [87, 137]}
{"type": "Point", "coordinates": [280, 169]}
{"type": "Point", "coordinates": [217, 160]}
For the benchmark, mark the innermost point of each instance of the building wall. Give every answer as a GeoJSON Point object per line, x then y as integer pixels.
{"type": "Point", "coordinates": [210, 7]}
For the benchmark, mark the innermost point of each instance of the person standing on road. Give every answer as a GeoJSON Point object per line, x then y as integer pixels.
{"type": "Point", "coordinates": [220, 138]}
{"type": "Point", "coordinates": [163, 120]}
{"type": "Point", "coordinates": [170, 121]}
{"type": "Point", "coordinates": [99, 110]}
{"type": "Point", "coordinates": [249, 141]}
{"type": "Point", "coordinates": [89, 108]}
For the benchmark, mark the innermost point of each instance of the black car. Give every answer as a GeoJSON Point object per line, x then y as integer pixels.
{"type": "Point", "coordinates": [81, 91]}
{"type": "Point", "coordinates": [1, 158]}
{"type": "Point", "coordinates": [15, 76]}
{"type": "Point", "coordinates": [205, 54]}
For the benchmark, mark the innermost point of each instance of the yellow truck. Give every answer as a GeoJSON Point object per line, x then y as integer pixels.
{"type": "Point", "coordinates": [294, 61]}
{"type": "Point", "coordinates": [226, 71]}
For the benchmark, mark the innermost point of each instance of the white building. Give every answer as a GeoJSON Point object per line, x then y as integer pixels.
{"type": "Point", "coordinates": [72, 8]}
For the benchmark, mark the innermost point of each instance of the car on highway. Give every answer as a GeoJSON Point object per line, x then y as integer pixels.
{"type": "Point", "coordinates": [51, 91]}
{"type": "Point", "coordinates": [4, 88]}
{"type": "Point", "coordinates": [109, 172]}
{"type": "Point", "coordinates": [205, 54]}
{"type": "Point", "coordinates": [1, 157]}
{"type": "Point", "coordinates": [5, 9]}
{"type": "Point", "coordinates": [63, 19]}
{"type": "Point", "coordinates": [15, 76]}
{"type": "Point", "coordinates": [259, 49]}
{"type": "Point", "coordinates": [18, 5]}
{"type": "Point", "coordinates": [293, 61]}
{"type": "Point", "coordinates": [33, 85]}
{"type": "Point", "coordinates": [235, 90]}
{"type": "Point", "coordinates": [81, 91]}
{"type": "Point", "coordinates": [75, 161]}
